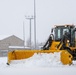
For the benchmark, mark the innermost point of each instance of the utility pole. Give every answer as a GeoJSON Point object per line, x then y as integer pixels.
{"type": "Point", "coordinates": [30, 18]}
{"type": "Point", "coordinates": [24, 33]}
{"type": "Point", "coordinates": [35, 23]}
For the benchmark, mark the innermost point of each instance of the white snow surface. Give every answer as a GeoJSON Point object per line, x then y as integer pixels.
{"type": "Point", "coordinates": [38, 64]}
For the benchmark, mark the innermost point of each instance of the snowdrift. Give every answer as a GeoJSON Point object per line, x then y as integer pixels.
{"type": "Point", "coordinates": [40, 60]}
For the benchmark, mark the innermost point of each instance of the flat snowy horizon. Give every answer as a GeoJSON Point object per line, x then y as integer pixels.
{"type": "Point", "coordinates": [38, 64]}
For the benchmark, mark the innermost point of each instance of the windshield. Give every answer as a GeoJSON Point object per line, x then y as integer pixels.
{"type": "Point", "coordinates": [59, 32]}
{"type": "Point", "coordinates": [65, 30]}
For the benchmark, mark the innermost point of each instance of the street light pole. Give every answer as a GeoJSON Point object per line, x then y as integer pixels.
{"type": "Point", "coordinates": [30, 18]}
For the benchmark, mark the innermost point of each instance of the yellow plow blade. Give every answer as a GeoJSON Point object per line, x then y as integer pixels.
{"type": "Point", "coordinates": [65, 57]}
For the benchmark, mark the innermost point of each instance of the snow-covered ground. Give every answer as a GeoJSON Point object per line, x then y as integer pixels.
{"type": "Point", "coordinates": [38, 64]}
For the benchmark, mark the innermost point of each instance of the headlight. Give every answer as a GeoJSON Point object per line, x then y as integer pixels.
{"type": "Point", "coordinates": [68, 41]}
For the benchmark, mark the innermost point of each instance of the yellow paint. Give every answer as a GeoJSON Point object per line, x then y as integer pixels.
{"type": "Point", "coordinates": [66, 57]}
{"type": "Point", "coordinates": [23, 54]}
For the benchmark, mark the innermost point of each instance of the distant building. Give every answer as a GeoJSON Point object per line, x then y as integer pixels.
{"type": "Point", "coordinates": [9, 41]}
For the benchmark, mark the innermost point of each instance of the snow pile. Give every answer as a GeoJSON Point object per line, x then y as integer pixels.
{"type": "Point", "coordinates": [40, 60]}
{"type": "Point", "coordinates": [38, 64]}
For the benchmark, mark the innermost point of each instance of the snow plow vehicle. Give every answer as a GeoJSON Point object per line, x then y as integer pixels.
{"type": "Point", "coordinates": [61, 39]}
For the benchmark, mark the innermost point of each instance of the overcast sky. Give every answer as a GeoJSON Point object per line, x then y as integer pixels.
{"type": "Point", "coordinates": [48, 14]}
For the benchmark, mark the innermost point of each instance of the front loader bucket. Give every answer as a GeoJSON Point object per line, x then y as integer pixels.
{"type": "Point", "coordinates": [65, 57]}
